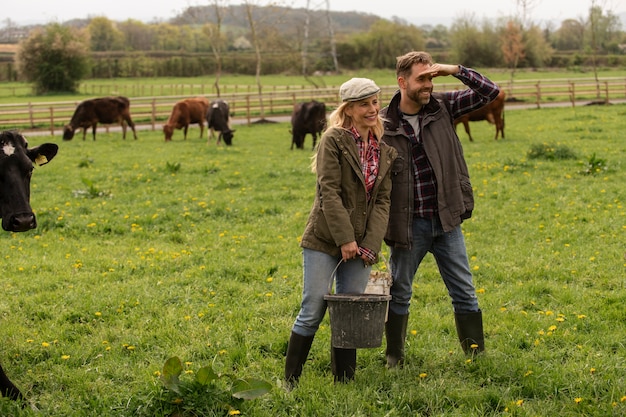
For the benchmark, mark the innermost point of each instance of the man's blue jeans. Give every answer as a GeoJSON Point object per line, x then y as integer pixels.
{"type": "Point", "coordinates": [451, 257]}
{"type": "Point", "coordinates": [351, 277]}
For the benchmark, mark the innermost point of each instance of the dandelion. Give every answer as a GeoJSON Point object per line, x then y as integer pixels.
{"type": "Point", "coordinates": [65, 357]}
{"type": "Point", "coordinates": [157, 373]}
{"type": "Point", "coordinates": [578, 400]}
{"type": "Point", "coordinates": [98, 314]}
{"type": "Point", "coordinates": [269, 279]}
{"type": "Point", "coordinates": [423, 375]}
{"type": "Point", "coordinates": [234, 412]}
{"type": "Point", "coordinates": [268, 294]}
{"type": "Point", "coordinates": [623, 399]}
{"type": "Point", "coordinates": [582, 316]}
{"type": "Point", "coordinates": [592, 370]}
{"type": "Point", "coordinates": [528, 373]}
{"type": "Point", "coordinates": [480, 291]}
{"type": "Point", "coordinates": [519, 403]}
{"type": "Point", "coordinates": [45, 344]}
{"type": "Point", "coordinates": [552, 328]}
{"type": "Point", "coordinates": [414, 332]}
{"type": "Point", "coordinates": [468, 361]}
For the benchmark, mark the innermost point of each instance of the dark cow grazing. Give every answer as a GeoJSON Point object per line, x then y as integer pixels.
{"type": "Point", "coordinates": [105, 110]}
{"type": "Point", "coordinates": [492, 112]}
{"type": "Point", "coordinates": [307, 117]}
{"type": "Point", "coordinates": [16, 167]}
{"type": "Point", "coordinates": [217, 118]}
{"type": "Point", "coordinates": [184, 113]}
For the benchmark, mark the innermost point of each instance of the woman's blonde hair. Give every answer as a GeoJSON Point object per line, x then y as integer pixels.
{"type": "Point", "coordinates": [341, 120]}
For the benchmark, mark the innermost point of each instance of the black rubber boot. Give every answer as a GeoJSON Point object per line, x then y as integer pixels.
{"type": "Point", "coordinates": [7, 388]}
{"type": "Point", "coordinates": [343, 362]}
{"type": "Point", "coordinates": [395, 333]}
{"type": "Point", "coordinates": [297, 353]}
{"type": "Point", "coordinates": [469, 327]}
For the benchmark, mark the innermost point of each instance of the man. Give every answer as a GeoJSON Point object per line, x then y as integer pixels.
{"type": "Point", "coordinates": [431, 193]}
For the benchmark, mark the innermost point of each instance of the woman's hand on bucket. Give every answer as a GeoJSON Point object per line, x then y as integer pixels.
{"type": "Point", "coordinates": [349, 251]}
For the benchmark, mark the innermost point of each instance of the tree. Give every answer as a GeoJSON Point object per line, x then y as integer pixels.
{"type": "Point", "coordinates": [385, 40]}
{"type": "Point", "coordinates": [512, 46]}
{"type": "Point", "coordinates": [601, 28]}
{"type": "Point", "coordinates": [104, 36]}
{"type": "Point", "coordinates": [214, 33]}
{"type": "Point", "coordinates": [569, 36]}
{"type": "Point", "coordinates": [55, 58]}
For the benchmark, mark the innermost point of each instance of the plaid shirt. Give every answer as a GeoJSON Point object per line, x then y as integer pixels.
{"type": "Point", "coordinates": [425, 184]}
{"type": "Point", "coordinates": [369, 165]}
{"type": "Point", "coordinates": [369, 159]}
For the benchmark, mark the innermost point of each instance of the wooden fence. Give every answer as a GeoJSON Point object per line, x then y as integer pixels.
{"type": "Point", "coordinates": [247, 105]}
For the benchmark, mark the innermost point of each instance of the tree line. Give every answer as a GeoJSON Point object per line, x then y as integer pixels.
{"type": "Point", "coordinates": [248, 39]}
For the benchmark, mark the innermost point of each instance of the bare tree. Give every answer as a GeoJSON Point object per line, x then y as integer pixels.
{"type": "Point", "coordinates": [305, 41]}
{"type": "Point", "coordinates": [331, 32]}
{"type": "Point", "coordinates": [524, 8]}
{"type": "Point", "coordinates": [215, 35]}
{"type": "Point", "coordinates": [257, 50]}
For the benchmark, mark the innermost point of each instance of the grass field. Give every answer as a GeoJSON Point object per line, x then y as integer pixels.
{"type": "Point", "coordinates": [147, 250]}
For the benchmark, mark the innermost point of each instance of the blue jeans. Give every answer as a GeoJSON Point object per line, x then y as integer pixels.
{"type": "Point", "coordinates": [351, 277]}
{"type": "Point", "coordinates": [451, 257]}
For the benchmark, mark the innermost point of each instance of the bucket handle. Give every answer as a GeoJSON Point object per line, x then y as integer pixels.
{"type": "Point", "coordinates": [332, 277]}
{"type": "Point", "coordinates": [333, 274]}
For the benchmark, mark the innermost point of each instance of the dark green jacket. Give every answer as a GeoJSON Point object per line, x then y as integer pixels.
{"type": "Point", "coordinates": [455, 199]}
{"type": "Point", "coordinates": [341, 212]}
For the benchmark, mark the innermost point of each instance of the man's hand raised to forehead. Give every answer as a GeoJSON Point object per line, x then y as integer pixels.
{"type": "Point", "coordinates": [439, 70]}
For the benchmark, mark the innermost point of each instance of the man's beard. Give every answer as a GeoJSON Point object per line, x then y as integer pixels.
{"type": "Point", "coordinates": [417, 97]}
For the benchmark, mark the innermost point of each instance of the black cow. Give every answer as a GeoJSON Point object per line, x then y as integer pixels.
{"type": "Point", "coordinates": [307, 117]}
{"type": "Point", "coordinates": [104, 110]}
{"type": "Point", "coordinates": [217, 118]}
{"type": "Point", "coordinates": [16, 167]}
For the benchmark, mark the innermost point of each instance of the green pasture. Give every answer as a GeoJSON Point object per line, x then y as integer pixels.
{"type": "Point", "coordinates": [147, 250]}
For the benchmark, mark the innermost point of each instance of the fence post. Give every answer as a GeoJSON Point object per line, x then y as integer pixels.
{"type": "Point", "coordinates": [606, 90]}
{"type": "Point", "coordinates": [153, 115]}
{"type": "Point", "coordinates": [30, 115]}
{"type": "Point", "coordinates": [52, 121]}
{"type": "Point", "coordinates": [538, 94]}
{"type": "Point", "coordinates": [572, 93]}
{"type": "Point", "coordinates": [248, 109]}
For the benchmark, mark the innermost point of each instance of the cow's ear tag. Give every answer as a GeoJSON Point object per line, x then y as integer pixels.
{"type": "Point", "coordinates": [41, 160]}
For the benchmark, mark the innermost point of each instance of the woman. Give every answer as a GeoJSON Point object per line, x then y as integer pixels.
{"type": "Point", "coordinates": [348, 220]}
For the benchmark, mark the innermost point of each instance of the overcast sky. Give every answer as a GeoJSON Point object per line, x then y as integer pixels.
{"type": "Point", "coordinates": [414, 11]}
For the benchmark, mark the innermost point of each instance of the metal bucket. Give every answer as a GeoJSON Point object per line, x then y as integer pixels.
{"type": "Point", "coordinates": [357, 320]}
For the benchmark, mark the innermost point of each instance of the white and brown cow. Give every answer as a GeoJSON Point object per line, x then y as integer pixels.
{"type": "Point", "coordinates": [16, 166]}
{"type": "Point", "coordinates": [218, 116]}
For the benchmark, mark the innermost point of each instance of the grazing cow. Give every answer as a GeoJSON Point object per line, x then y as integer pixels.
{"type": "Point", "coordinates": [184, 113]}
{"type": "Point", "coordinates": [16, 167]}
{"type": "Point", "coordinates": [106, 110]}
{"type": "Point", "coordinates": [217, 118]}
{"type": "Point", "coordinates": [492, 112]}
{"type": "Point", "coordinates": [307, 117]}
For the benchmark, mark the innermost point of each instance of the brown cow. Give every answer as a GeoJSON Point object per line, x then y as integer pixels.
{"type": "Point", "coordinates": [104, 110]}
{"type": "Point", "coordinates": [492, 112]}
{"type": "Point", "coordinates": [184, 113]}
